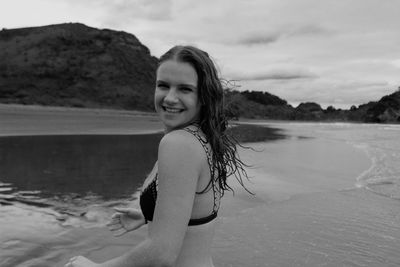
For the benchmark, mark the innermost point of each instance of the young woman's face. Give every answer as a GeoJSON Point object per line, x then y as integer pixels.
{"type": "Point", "coordinates": [176, 97]}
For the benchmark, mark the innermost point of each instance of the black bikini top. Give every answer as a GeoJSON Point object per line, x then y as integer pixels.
{"type": "Point", "coordinates": [148, 195]}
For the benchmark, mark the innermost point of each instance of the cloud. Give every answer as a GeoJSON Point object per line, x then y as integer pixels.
{"type": "Point", "coordinates": [117, 13]}
{"type": "Point", "coordinates": [396, 63]}
{"type": "Point", "coordinates": [275, 75]}
{"type": "Point", "coordinates": [258, 39]}
{"type": "Point", "coordinates": [309, 30]}
{"type": "Point", "coordinates": [282, 32]}
{"type": "Point", "coordinates": [152, 10]}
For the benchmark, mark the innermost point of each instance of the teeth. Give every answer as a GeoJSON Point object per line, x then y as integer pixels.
{"type": "Point", "coordinates": [172, 110]}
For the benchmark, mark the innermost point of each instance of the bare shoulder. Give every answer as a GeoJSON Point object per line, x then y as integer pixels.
{"type": "Point", "coordinates": [182, 140]}
{"type": "Point", "coordinates": [182, 146]}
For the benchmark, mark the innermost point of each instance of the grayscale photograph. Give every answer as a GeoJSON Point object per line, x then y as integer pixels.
{"type": "Point", "coordinates": [199, 133]}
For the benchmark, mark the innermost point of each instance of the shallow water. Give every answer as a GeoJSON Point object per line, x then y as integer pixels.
{"type": "Point", "coordinates": [52, 184]}
{"type": "Point", "coordinates": [317, 201]}
{"type": "Point", "coordinates": [325, 196]}
{"type": "Point", "coordinates": [110, 166]}
{"type": "Point", "coordinates": [380, 142]}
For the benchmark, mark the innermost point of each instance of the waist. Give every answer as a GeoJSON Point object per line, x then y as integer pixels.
{"type": "Point", "coordinates": [196, 246]}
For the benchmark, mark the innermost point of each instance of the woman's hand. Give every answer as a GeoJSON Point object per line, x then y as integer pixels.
{"type": "Point", "coordinates": [80, 261]}
{"type": "Point", "coordinates": [125, 220]}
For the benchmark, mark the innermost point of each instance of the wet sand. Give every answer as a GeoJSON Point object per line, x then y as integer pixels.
{"type": "Point", "coordinates": [16, 120]}
{"type": "Point", "coordinates": [307, 210]}
{"type": "Point", "coordinates": [345, 228]}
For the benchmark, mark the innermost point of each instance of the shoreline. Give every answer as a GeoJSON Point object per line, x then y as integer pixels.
{"type": "Point", "coordinates": [35, 120]}
{"type": "Point", "coordinates": [20, 107]}
{"type": "Point", "coordinates": [20, 120]}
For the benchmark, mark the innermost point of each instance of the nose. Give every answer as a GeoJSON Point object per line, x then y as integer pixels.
{"type": "Point", "coordinates": [171, 97]}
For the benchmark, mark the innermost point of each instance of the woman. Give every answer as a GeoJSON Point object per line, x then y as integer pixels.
{"type": "Point", "coordinates": [181, 196]}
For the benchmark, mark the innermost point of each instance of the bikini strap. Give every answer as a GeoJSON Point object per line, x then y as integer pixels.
{"type": "Point", "coordinates": [211, 184]}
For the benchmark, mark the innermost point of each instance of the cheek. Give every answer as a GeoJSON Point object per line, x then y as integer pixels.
{"type": "Point", "coordinates": [157, 100]}
{"type": "Point", "coordinates": [157, 96]}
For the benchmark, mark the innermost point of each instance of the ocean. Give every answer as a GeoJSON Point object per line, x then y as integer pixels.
{"type": "Point", "coordinates": [380, 143]}
{"type": "Point", "coordinates": [325, 194]}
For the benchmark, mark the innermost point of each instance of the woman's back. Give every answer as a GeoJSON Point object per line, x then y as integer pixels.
{"type": "Point", "coordinates": [196, 247]}
{"type": "Point", "coordinates": [197, 243]}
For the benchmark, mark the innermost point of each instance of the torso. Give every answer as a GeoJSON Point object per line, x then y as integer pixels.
{"type": "Point", "coordinates": [207, 199]}
{"type": "Point", "coordinates": [197, 244]}
{"type": "Point", "coordinates": [198, 239]}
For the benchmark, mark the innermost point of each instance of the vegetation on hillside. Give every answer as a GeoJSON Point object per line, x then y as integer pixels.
{"type": "Point", "coordinates": [75, 65]}
{"type": "Point", "coordinates": [242, 104]}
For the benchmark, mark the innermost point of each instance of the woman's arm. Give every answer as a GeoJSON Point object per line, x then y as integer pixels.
{"type": "Point", "coordinates": [180, 161]}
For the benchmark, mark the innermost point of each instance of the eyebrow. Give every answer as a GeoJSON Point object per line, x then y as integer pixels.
{"type": "Point", "coordinates": [181, 84]}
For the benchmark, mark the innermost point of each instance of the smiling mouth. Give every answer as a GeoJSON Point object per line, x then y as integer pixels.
{"type": "Point", "coordinates": [172, 110]}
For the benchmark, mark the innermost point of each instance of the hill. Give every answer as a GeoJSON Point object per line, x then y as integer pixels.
{"type": "Point", "coordinates": [387, 109]}
{"type": "Point", "coordinates": [75, 65]}
{"type": "Point", "coordinates": [259, 105]}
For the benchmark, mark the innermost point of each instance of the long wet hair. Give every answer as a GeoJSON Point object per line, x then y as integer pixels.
{"type": "Point", "coordinates": [213, 121]}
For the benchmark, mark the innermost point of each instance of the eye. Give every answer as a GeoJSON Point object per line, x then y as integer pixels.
{"type": "Point", "coordinates": [186, 89]}
{"type": "Point", "coordinates": [162, 85]}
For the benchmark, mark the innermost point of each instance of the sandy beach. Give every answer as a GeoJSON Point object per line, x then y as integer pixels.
{"type": "Point", "coordinates": [308, 208]}
{"type": "Point", "coordinates": [43, 120]}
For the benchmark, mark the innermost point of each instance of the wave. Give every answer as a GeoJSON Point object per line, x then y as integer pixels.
{"type": "Point", "coordinates": [383, 176]}
{"type": "Point", "coordinates": [71, 209]}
